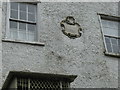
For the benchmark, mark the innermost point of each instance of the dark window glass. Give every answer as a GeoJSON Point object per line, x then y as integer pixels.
{"type": "Point", "coordinates": [115, 48]}
{"type": "Point", "coordinates": [22, 31]}
{"type": "Point", "coordinates": [13, 34]}
{"type": "Point", "coordinates": [31, 28]}
{"type": "Point", "coordinates": [14, 5]}
{"type": "Point", "coordinates": [22, 26]}
{"type": "Point", "coordinates": [119, 49]}
{"type": "Point", "coordinates": [118, 41]}
{"type": "Point", "coordinates": [13, 24]}
{"type": "Point", "coordinates": [23, 7]}
{"type": "Point", "coordinates": [107, 39]}
{"type": "Point", "coordinates": [114, 41]}
{"type": "Point", "coordinates": [109, 48]}
{"type": "Point", "coordinates": [31, 8]}
{"type": "Point", "coordinates": [31, 17]}
{"type": "Point", "coordinates": [23, 15]}
{"type": "Point", "coordinates": [14, 14]}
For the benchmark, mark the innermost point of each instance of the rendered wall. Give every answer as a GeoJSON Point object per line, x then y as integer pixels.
{"type": "Point", "coordinates": [0, 43]}
{"type": "Point", "coordinates": [61, 55]}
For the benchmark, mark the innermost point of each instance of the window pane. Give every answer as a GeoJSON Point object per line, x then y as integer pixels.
{"type": "Point", "coordinates": [14, 5]}
{"type": "Point", "coordinates": [119, 49]}
{"type": "Point", "coordinates": [14, 14]}
{"type": "Point", "coordinates": [119, 32]}
{"type": "Point", "coordinates": [110, 24]}
{"type": "Point", "coordinates": [31, 32]}
{"type": "Point", "coordinates": [22, 26]}
{"type": "Point", "coordinates": [104, 24]}
{"type": "Point", "coordinates": [109, 48]}
{"type": "Point", "coordinates": [31, 28]}
{"type": "Point", "coordinates": [22, 31]}
{"type": "Point", "coordinates": [13, 24]}
{"type": "Point", "coordinates": [13, 34]}
{"type": "Point", "coordinates": [22, 35]}
{"type": "Point", "coordinates": [22, 7]}
{"type": "Point", "coordinates": [31, 37]}
{"type": "Point", "coordinates": [110, 27]}
{"type": "Point", "coordinates": [114, 41]}
{"type": "Point", "coordinates": [115, 25]}
{"type": "Point", "coordinates": [31, 8]}
{"type": "Point", "coordinates": [110, 31]}
{"type": "Point", "coordinates": [118, 41]}
{"type": "Point", "coordinates": [31, 17]}
{"type": "Point", "coordinates": [115, 48]}
{"type": "Point", "coordinates": [107, 39]}
{"type": "Point", "coordinates": [23, 15]}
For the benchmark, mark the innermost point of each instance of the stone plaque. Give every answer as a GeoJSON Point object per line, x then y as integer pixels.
{"type": "Point", "coordinates": [70, 28]}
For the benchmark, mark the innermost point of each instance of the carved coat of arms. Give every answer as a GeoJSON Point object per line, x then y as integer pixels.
{"type": "Point", "coordinates": [70, 28]}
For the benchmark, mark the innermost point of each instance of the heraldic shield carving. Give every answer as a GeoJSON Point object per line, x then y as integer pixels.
{"type": "Point", "coordinates": [70, 28]}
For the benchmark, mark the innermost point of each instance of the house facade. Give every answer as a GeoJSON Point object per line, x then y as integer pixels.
{"type": "Point", "coordinates": [66, 38]}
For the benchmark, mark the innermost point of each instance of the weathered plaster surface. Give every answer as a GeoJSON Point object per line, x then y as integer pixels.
{"type": "Point", "coordinates": [0, 43]}
{"type": "Point", "coordinates": [81, 56]}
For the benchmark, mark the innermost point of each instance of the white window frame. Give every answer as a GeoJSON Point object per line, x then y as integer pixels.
{"type": "Point", "coordinates": [7, 32]}
{"type": "Point", "coordinates": [113, 18]}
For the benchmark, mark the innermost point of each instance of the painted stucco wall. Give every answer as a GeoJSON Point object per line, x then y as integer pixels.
{"type": "Point", "coordinates": [61, 55]}
{"type": "Point", "coordinates": [0, 43]}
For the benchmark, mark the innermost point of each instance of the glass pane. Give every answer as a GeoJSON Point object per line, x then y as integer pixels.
{"type": "Point", "coordinates": [31, 8]}
{"type": "Point", "coordinates": [22, 7]}
{"type": "Point", "coordinates": [31, 28]}
{"type": "Point", "coordinates": [13, 24]}
{"type": "Point", "coordinates": [110, 27]}
{"type": "Point", "coordinates": [23, 15]}
{"type": "Point", "coordinates": [22, 35]}
{"type": "Point", "coordinates": [31, 17]}
{"type": "Point", "coordinates": [119, 49]}
{"type": "Point", "coordinates": [115, 48]}
{"type": "Point", "coordinates": [119, 28]}
{"type": "Point", "coordinates": [107, 39]}
{"type": "Point", "coordinates": [119, 31]}
{"type": "Point", "coordinates": [22, 26]}
{"type": "Point", "coordinates": [115, 25]}
{"type": "Point", "coordinates": [13, 34]}
{"type": "Point", "coordinates": [118, 41]}
{"type": "Point", "coordinates": [109, 48]}
{"type": "Point", "coordinates": [110, 31]}
{"type": "Point", "coordinates": [31, 32]}
{"type": "Point", "coordinates": [14, 14]}
{"type": "Point", "coordinates": [108, 23]}
{"type": "Point", "coordinates": [31, 37]}
{"type": "Point", "coordinates": [111, 24]}
{"type": "Point", "coordinates": [14, 5]}
{"type": "Point", "coordinates": [114, 41]}
{"type": "Point", "coordinates": [104, 23]}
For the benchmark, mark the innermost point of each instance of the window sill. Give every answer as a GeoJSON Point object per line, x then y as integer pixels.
{"type": "Point", "coordinates": [112, 54]}
{"type": "Point", "coordinates": [23, 42]}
